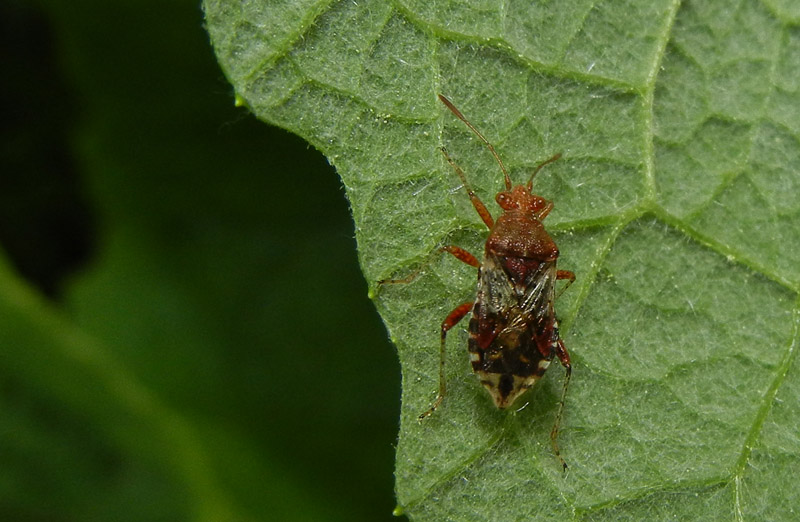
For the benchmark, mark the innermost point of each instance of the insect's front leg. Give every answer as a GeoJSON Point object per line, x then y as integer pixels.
{"type": "Point", "coordinates": [450, 321]}
{"type": "Point", "coordinates": [480, 208]}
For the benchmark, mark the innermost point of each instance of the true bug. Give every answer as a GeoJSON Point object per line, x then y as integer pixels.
{"type": "Point", "coordinates": [513, 332]}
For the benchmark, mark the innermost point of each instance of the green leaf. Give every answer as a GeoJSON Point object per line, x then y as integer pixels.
{"type": "Point", "coordinates": [202, 362]}
{"type": "Point", "coordinates": [675, 204]}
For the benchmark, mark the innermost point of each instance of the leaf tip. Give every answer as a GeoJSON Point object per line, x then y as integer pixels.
{"type": "Point", "coordinates": [239, 101]}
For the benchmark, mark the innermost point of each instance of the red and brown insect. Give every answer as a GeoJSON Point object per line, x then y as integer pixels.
{"type": "Point", "coordinates": [513, 332]}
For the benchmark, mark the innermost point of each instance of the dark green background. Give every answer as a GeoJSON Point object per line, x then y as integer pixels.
{"type": "Point", "coordinates": [211, 255]}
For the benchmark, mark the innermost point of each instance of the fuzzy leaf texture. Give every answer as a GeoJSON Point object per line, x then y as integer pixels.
{"type": "Point", "coordinates": [675, 205]}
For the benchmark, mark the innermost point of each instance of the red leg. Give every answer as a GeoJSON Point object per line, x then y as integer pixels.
{"type": "Point", "coordinates": [462, 255]}
{"type": "Point", "coordinates": [483, 212]}
{"type": "Point", "coordinates": [565, 274]}
{"type": "Point", "coordinates": [563, 356]}
{"type": "Point", "coordinates": [450, 321]}
{"type": "Point", "coordinates": [458, 252]}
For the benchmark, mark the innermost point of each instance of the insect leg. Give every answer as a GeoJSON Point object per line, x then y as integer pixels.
{"type": "Point", "coordinates": [563, 356]}
{"type": "Point", "coordinates": [565, 274]}
{"type": "Point", "coordinates": [483, 212]}
{"type": "Point", "coordinates": [462, 255]}
{"type": "Point", "coordinates": [450, 321]}
{"type": "Point", "coordinates": [458, 252]}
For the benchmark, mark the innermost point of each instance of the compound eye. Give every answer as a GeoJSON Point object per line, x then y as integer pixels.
{"type": "Point", "coordinates": [505, 201]}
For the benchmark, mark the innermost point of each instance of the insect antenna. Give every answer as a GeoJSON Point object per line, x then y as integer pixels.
{"type": "Point", "coordinates": [539, 167]}
{"type": "Point", "coordinates": [477, 133]}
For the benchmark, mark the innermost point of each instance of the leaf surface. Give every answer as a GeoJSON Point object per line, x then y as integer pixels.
{"type": "Point", "coordinates": [675, 204]}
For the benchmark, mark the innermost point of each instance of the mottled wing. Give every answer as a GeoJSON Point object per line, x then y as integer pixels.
{"type": "Point", "coordinates": [513, 330]}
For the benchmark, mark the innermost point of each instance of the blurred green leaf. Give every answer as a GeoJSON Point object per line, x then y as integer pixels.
{"type": "Point", "coordinates": [217, 358]}
{"type": "Point", "coordinates": [675, 206]}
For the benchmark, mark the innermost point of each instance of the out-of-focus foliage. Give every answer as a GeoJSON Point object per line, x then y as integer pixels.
{"type": "Point", "coordinates": [214, 356]}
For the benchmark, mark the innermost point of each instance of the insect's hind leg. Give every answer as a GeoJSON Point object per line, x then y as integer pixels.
{"type": "Point", "coordinates": [563, 356]}
{"type": "Point", "coordinates": [450, 321]}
